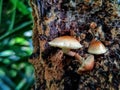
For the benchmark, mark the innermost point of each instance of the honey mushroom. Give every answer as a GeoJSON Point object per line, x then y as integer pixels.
{"type": "Point", "coordinates": [96, 31]}
{"type": "Point", "coordinates": [96, 47]}
{"type": "Point", "coordinates": [87, 64]}
{"type": "Point", "coordinates": [66, 43]}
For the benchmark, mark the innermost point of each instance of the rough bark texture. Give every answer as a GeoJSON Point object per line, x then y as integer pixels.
{"type": "Point", "coordinates": [57, 71]}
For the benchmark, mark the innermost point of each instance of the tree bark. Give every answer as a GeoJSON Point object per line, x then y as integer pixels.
{"type": "Point", "coordinates": [56, 71]}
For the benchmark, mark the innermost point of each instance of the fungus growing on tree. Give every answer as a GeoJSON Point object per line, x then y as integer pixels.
{"type": "Point", "coordinates": [87, 64]}
{"type": "Point", "coordinates": [96, 47]}
{"type": "Point", "coordinates": [66, 43]}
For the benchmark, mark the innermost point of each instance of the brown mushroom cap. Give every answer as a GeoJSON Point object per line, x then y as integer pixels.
{"type": "Point", "coordinates": [88, 64]}
{"type": "Point", "coordinates": [65, 42]}
{"type": "Point", "coordinates": [96, 47]}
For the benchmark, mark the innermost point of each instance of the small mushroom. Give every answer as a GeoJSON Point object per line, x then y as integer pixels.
{"type": "Point", "coordinates": [87, 64]}
{"type": "Point", "coordinates": [93, 25]}
{"type": "Point", "coordinates": [66, 43]}
{"type": "Point", "coordinates": [96, 47]}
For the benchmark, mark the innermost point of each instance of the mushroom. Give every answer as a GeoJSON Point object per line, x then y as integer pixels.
{"type": "Point", "coordinates": [96, 47]}
{"type": "Point", "coordinates": [87, 64]}
{"type": "Point", "coordinates": [93, 25]}
{"type": "Point", "coordinates": [66, 43]}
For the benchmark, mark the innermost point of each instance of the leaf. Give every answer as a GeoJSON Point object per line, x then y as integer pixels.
{"type": "Point", "coordinates": [16, 30]}
{"type": "Point", "coordinates": [3, 86]}
{"type": "Point", "coordinates": [20, 41]}
{"type": "Point", "coordinates": [2, 71]}
{"type": "Point", "coordinates": [7, 80]}
{"type": "Point", "coordinates": [21, 84]}
{"type": "Point", "coordinates": [21, 7]}
{"type": "Point", "coordinates": [6, 61]}
{"type": "Point", "coordinates": [13, 16]}
{"type": "Point", "coordinates": [6, 53]}
{"type": "Point", "coordinates": [1, 1]}
{"type": "Point", "coordinates": [12, 73]}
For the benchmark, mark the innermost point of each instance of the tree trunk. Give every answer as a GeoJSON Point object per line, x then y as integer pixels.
{"type": "Point", "coordinates": [83, 20]}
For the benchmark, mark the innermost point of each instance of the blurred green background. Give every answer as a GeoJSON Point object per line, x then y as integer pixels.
{"type": "Point", "coordinates": [15, 45]}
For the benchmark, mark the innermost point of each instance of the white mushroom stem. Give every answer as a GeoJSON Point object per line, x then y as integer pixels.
{"type": "Point", "coordinates": [71, 53]}
{"type": "Point", "coordinates": [65, 50]}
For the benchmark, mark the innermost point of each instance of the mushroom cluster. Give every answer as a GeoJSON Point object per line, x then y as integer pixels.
{"type": "Point", "coordinates": [66, 43]}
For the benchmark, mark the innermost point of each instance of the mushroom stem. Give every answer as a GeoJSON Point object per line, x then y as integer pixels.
{"type": "Point", "coordinates": [78, 57]}
{"type": "Point", "coordinates": [65, 50]}
{"type": "Point", "coordinates": [73, 54]}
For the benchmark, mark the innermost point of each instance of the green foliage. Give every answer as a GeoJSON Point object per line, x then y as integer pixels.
{"type": "Point", "coordinates": [15, 45]}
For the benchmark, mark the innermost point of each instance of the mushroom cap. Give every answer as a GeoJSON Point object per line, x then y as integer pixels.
{"type": "Point", "coordinates": [96, 47]}
{"type": "Point", "coordinates": [66, 42]}
{"type": "Point", "coordinates": [88, 64]}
